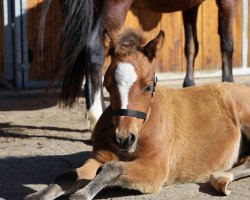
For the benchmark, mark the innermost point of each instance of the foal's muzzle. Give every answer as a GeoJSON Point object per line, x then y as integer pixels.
{"type": "Point", "coordinates": [125, 144]}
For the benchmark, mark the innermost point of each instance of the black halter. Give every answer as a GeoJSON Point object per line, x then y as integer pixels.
{"type": "Point", "coordinates": [133, 113]}
{"type": "Point", "coordinates": [130, 113]}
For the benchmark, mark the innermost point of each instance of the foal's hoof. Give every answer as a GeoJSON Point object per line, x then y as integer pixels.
{"type": "Point", "coordinates": [32, 197]}
{"type": "Point", "coordinates": [220, 181]}
{"type": "Point", "coordinates": [50, 192]}
{"type": "Point", "coordinates": [188, 83]}
{"type": "Point", "coordinates": [79, 196]}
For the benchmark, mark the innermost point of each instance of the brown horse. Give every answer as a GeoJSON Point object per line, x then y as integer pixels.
{"type": "Point", "coordinates": [150, 135]}
{"type": "Point", "coordinates": [82, 50]}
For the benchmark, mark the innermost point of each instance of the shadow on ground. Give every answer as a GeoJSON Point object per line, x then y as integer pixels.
{"type": "Point", "coordinates": [18, 173]}
{"type": "Point", "coordinates": [28, 101]}
{"type": "Point", "coordinates": [6, 130]}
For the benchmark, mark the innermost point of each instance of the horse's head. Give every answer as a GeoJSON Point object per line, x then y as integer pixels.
{"type": "Point", "coordinates": [130, 80]}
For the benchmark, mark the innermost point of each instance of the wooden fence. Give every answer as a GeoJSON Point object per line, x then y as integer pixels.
{"type": "Point", "coordinates": [172, 58]}
{"type": "Point", "coordinates": [248, 33]}
{"type": "Point", "coordinates": [52, 31]}
{"type": "Point", "coordinates": [1, 38]}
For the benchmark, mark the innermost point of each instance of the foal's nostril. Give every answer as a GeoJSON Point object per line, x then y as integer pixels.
{"type": "Point", "coordinates": [131, 139]}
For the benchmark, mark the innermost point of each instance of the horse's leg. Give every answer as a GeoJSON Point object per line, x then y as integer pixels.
{"type": "Point", "coordinates": [68, 183]}
{"type": "Point", "coordinates": [191, 43]}
{"type": "Point", "coordinates": [93, 86]}
{"type": "Point", "coordinates": [221, 180]}
{"type": "Point", "coordinates": [132, 175]}
{"type": "Point", "coordinates": [112, 17]}
{"type": "Point", "coordinates": [225, 29]}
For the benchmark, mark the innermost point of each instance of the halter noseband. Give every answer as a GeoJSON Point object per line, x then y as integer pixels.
{"type": "Point", "coordinates": [133, 113]}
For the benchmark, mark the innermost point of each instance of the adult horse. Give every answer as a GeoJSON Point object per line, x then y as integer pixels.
{"type": "Point", "coordinates": [152, 135]}
{"type": "Point", "coordinates": [82, 50]}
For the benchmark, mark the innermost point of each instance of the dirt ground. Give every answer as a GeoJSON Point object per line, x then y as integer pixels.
{"type": "Point", "coordinates": [39, 140]}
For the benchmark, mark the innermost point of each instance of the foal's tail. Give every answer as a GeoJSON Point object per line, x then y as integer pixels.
{"type": "Point", "coordinates": [78, 21]}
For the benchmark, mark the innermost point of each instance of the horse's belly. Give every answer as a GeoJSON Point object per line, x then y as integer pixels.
{"type": "Point", "coordinates": [165, 5]}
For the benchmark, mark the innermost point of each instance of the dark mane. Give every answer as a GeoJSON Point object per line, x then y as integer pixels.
{"type": "Point", "coordinates": [129, 41]}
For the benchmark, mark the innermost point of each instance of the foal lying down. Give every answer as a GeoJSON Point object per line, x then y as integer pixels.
{"type": "Point", "coordinates": [152, 136]}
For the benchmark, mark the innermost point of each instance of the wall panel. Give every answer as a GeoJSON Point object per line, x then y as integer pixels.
{"type": "Point", "coordinates": [38, 71]}
{"type": "Point", "coordinates": [1, 38]}
{"type": "Point", "coordinates": [248, 33]}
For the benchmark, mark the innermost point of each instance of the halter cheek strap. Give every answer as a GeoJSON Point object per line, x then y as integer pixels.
{"type": "Point", "coordinates": [133, 113]}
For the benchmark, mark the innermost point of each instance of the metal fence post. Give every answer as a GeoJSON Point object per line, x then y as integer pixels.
{"type": "Point", "coordinates": [18, 44]}
{"type": "Point", "coordinates": [8, 52]}
{"type": "Point", "coordinates": [25, 54]}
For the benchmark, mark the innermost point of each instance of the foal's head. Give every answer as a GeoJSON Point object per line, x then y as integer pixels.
{"type": "Point", "coordinates": [130, 80]}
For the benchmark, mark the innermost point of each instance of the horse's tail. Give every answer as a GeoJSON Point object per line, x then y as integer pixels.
{"type": "Point", "coordinates": [78, 22]}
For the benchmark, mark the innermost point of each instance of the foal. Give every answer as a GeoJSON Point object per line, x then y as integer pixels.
{"type": "Point", "coordinates": [151, 135]}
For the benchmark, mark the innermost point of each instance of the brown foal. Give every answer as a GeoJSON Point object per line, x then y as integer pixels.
{"type": "Point", "coordinates": [152, 136]}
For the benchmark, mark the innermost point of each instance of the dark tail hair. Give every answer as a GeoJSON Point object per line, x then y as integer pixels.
{"type": "Point", "coordinates": [78, 22]}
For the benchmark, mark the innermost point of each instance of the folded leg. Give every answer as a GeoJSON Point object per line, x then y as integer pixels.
{"type": "Point", "coordinates": [221, 180]}
{"type": "Point", "coordinates": [138, 175]}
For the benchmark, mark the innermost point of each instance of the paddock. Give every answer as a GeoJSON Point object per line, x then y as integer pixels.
{"type": "Point", "coordinates": [39, 140]}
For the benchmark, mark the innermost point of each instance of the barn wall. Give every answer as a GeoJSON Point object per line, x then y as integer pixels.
{"type": "Point", "coordinates": [172, 58]}
{"type": "Point", "coordinates": [51, 44]}
{"type": "Point", "coordinates": [248, 33]}
{"type": "Point", "coordinates": [1, 37]}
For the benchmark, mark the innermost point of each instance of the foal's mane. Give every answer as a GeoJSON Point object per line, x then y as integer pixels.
{"type": "Point", "coordinates": [129, 41]}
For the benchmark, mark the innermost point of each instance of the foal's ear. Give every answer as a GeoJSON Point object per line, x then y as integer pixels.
{"type": "Point", "coordinates": [108, 44]}
{"type": "Point", "coordinates": [154, 46]}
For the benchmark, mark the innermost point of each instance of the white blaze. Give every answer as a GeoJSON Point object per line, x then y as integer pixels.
{"type": "Point", "coordinates": [125, 77]}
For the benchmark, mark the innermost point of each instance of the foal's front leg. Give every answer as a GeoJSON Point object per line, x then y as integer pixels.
{"type": "Point", "coordinates": [137, 175]}
{"type": "Point", "coordinates": [68, 183]}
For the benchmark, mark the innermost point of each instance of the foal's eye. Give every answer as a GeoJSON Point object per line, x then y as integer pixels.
{"type": "Point", "coordinates": [149, 88]}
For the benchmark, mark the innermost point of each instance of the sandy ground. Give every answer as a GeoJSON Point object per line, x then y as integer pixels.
{"type": "Point", "coordinates": [39, 140]}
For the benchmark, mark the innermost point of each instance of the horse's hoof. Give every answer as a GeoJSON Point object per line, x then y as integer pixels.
{"type": "Point", "coordinates": [228, 79]}
{"type": "Point", "coordinates": [220, 181]}
{"type": "Point", "coordinates": [188, 83]}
